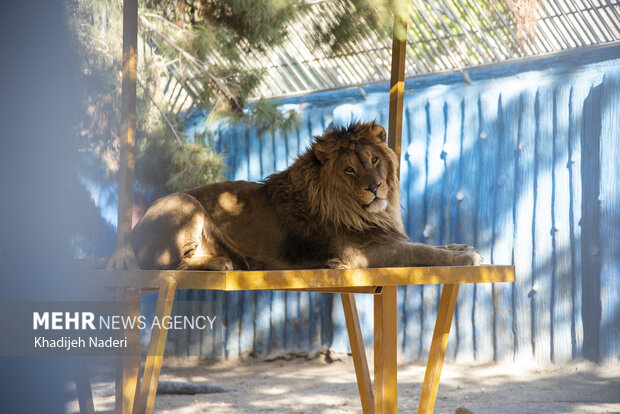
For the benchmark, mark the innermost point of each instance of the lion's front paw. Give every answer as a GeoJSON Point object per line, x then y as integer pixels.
{"type": "Point", "coordinates": [123, 259]}
{"type": "Point", "coordinates": [468, 258]}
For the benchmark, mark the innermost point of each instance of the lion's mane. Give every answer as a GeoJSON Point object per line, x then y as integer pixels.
{"type": "Point", "coordinates": [313, 202]}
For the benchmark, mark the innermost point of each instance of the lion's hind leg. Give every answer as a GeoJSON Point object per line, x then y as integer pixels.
{"type": "Point", "coordinates": [204, 254]}
{"type": "Point", "coordinates": [172, 233]}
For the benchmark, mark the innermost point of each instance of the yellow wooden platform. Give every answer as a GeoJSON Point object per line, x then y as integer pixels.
{"type": "Point", "coordinates": [138, 396]}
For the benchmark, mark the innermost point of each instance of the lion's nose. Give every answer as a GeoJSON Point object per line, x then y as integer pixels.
{"type": "Point", "coordinates": [374, 186]}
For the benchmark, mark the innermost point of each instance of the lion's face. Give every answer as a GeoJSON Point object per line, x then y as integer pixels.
{"type": "Point", "coordinates": [358, 167]}
{"type": "Point", "coordinates": [364, 170]}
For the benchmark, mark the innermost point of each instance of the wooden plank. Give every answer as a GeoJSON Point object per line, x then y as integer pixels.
{"type": "Point", "coordinates": [485, 344]}
{"type": "Point", "coordinates": [524, 186]}
{"type": "Point", "coordinates": [128, 121]}
{"type": "Point", "coordinates": [363, 289]}
{"type": "Point", "coordinates": [416, 217]}
{"type": "Point", "coordinates": [408, 318]}
{"type": "Point", "coordinates": [610, 219]}
{"type": "Point", "coordinates": [438, 349]}
{"type": "Point", "coordinates": [150, 279]}
{"type": "Point", "coordinates": [295, 315]}
{"type": "Point", "coordinates": [233, 325]}
{"type": "Point", "coordinates": [356, 340]}
{"type": "Point", "coordinates": [327, 323]}
{"type": "Point", "coordinates": [310, 279]}
{"type": "Point", "coordinates": [289, 310]}
{"type": "Point", "coordinates": [503, 222]}
{"type": "Point", "coordinates": [128, 364]}
{"type": "Point", "coordinates": [219, 344]}
{"type": "Point", "coordinates": [82, 386]}
{"type": "Point", "coordinates": [262, 324]}
{"type": "Point", "coordinates": [561, 350]}
{"type": "Point", "coordinates": [401, 296]}
{"type": "Point", "coordinates": [179, 338]}
{"type": "Point", "coordinates": [314, 319]}
{"type": "Point", "coordinates": [145, 402]}
{"type": "Point", "coordinates": [388, 402]}
{"type": "Point", "coordinates": [386, 349]}
{"type": "Point", "coordinates": [541, 228]}
{"type": "Point", "coordinates": [466, 196]}
{"type": "Point", "coordinates": [339, 336]}
{"type": "Point", "coordinates": [278, 320]}
{"type": "Point", "coordinates": [575, 106]}
{"type": "Point", "coordinates": [591, 223]}
{"type": "Point", "coordinates": [397, 87]}
{"type": "Point", "coordinates": [451, 183]}
{"type": "Point", "coordinates": [323, 278]}
{"type": "Point", "coordinates": [433, 201]}
{"type": "Point", "coordinates": [246, 325]}
{"type": "Point", "coordinates": [304, 320]}
{"type": "Point", "coordinates": [195, 335]}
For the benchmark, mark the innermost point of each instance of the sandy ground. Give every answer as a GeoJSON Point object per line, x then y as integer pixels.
{"type": "Point", "coordinates": [315, 386]}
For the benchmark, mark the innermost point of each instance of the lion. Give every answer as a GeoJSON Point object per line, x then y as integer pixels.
{"type": "Point", "coordinates": [336, 206]}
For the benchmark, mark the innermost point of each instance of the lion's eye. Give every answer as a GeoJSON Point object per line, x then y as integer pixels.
{"type": "Point", "coordinates": [375, 160]}
{"type": "Point", "coordinates": [349, 170]}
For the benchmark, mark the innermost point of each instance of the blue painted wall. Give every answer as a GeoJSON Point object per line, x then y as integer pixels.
{"type": "Point", "coordinates": [523, 163]}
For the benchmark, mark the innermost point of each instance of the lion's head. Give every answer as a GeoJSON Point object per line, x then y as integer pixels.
{"type": "Point", "coordinates": [348, 180]}
{"type": "Point", "coordinates": [357, 164]}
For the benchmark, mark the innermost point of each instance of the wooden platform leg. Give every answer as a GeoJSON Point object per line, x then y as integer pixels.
{"type": "Point", "coordinates": [364, 384]}
{"type": "Point", "coordinates": [146, 399]}
{"type": "Point", "coordinates": [82, 386]}
{"type": "Point", "coordinates": [386, 393]}
{"type": "Point", "coordinates": [128, 365]}
{"type": "Point", "coordinates": [438, 348]}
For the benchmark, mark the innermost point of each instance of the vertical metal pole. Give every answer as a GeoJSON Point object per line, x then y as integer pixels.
{"type": "Point", "coordinates": [128, 121]}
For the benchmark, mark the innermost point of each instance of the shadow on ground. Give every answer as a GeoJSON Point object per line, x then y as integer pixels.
{"type": "Point", "coordinates": [313, 387]}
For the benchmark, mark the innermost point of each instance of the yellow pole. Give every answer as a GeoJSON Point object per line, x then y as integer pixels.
{"type": "Point", "coordinates": [386, 392]}
{"type": "Point", "coordinates": [128, 121]}
{"type": "Point", "coordinates": [356, 339]}
{"type": "Point", "coordinates": [438, 348]}
{"type": "Point", "coordinates": [397, 87]}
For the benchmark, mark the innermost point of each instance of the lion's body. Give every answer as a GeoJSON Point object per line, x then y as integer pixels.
{"type": "Point", "coordinates": [336, 206]}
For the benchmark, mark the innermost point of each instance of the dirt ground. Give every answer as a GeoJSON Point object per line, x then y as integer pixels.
{"type": "Point", "coordinates": [315, 386]}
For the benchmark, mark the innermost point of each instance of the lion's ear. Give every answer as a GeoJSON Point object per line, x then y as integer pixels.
{"type": "Point", "coordinates": [320, 152]}
{"type": "Point", "coordinates": [380, 133]}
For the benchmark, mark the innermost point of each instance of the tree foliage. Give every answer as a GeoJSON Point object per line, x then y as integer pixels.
{"type": "Point", "coordinates": [359, 18]}
{"type": "Point", "coordinates": [206, 41]}
{"type": "Point", "coordinates": [210, 38]}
